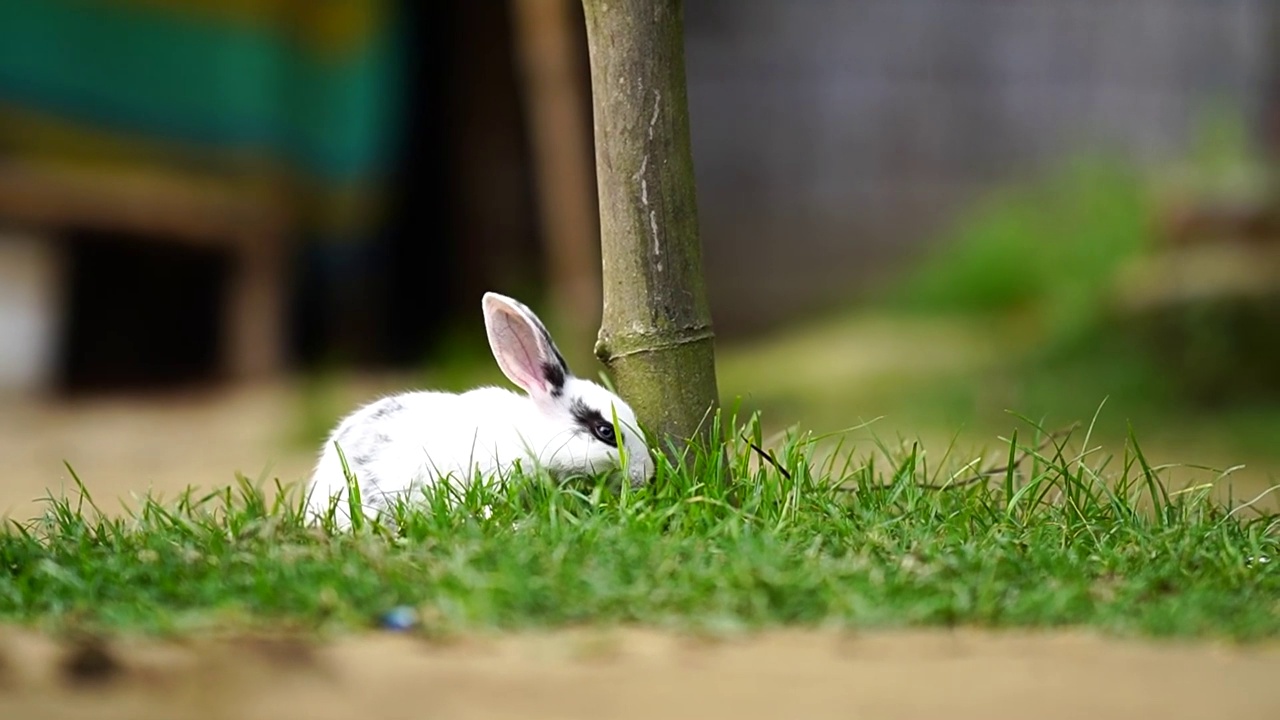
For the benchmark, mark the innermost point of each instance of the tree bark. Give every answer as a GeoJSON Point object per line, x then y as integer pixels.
{"type": "Point", "coordinates": [655, 336]}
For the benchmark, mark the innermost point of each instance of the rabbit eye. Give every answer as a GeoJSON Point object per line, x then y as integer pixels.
{"type": "Point", "coordinates": [604, 433]}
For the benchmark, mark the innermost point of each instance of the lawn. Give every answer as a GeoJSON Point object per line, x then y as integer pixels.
{"type": "Point", "coordinates": [874, 513]}
{"type": "Point", "coordinates": [814, 534]}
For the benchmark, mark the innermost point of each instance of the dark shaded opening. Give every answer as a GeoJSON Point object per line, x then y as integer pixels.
{"type": "Point", "coordinates": [461, 217]}
{"type": "Point", "coordinates": [141, 315]}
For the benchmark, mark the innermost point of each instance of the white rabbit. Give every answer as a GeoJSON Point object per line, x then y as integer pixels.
{"type": "Point", "coordinates": [400, 443]}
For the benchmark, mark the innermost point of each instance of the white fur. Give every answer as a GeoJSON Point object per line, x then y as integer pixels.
{"type": "Point", "coordinates": [397, 444]}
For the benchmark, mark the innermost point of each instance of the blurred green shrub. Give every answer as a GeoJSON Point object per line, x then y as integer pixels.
{"type": "Point", "coordinates": [1050, 255]}
{"type": "Point", "coordinates": [1046, 250]}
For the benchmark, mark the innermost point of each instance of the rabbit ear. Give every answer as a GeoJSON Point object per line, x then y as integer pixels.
{"type": "Point", "coordinates": [523, 347]}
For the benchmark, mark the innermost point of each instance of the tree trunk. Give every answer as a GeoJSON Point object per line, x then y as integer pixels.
{"type": "Point", "coordinates": [655, 336]}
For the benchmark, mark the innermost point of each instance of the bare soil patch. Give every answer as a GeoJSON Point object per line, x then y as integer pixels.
{"type": "Point", "coordinates": [131, 445]}
{"type": "Point", "coordinates": [639, 674]}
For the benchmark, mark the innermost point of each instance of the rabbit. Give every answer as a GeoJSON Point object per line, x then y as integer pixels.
{"type": "Point", "coordinates": [565, 424]}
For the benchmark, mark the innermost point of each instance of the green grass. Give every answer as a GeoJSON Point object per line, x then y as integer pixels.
{"type": "Point", "coordinates": [828, 534]}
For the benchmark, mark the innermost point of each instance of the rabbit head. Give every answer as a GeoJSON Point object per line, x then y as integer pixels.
{"type": "Point", "coordinates": [595, 430]}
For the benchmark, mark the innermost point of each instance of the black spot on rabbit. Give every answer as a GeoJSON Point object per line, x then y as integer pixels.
{"type": "Point", "coordinates": [386, 409]}
{"type": "Point", "coordinates": [555, 377]}
{"type": "Point", "coordinates": [591, 421]}
{"type": "Point", "coordinates": [555, 351]}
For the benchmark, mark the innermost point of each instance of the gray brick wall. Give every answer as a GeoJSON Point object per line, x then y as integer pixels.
{"type": "Point", "coordinates": [833, 136]}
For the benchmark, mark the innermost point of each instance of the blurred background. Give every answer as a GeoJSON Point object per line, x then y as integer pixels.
{"type": "Point", "coordinates": [225, 222]}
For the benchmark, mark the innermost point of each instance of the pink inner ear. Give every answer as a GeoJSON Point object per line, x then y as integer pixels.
{"type": "Point", "coordinates": [517, 354]}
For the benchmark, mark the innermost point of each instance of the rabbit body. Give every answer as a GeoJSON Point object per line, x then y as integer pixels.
{"type": "Point", "coordinates": [399, 443]}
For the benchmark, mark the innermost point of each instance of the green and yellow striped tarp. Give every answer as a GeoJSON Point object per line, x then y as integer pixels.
{"type": "Point", "coordinates": [307, 88]}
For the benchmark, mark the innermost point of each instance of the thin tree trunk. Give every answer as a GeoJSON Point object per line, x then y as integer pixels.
{"type": "Point", "coordinates": [656, 334]}
{"type": "Point", "coordinates": [550, 60]}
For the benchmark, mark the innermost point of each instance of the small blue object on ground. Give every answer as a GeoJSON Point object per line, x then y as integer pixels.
{"type": "Point", "coordinates": [401, 617]}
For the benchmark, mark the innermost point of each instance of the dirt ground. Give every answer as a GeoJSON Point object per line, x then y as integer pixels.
{"type": "Point", "coordinates": [640, 674]}
{"type": "Point", "coordinates": [133, 445]}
